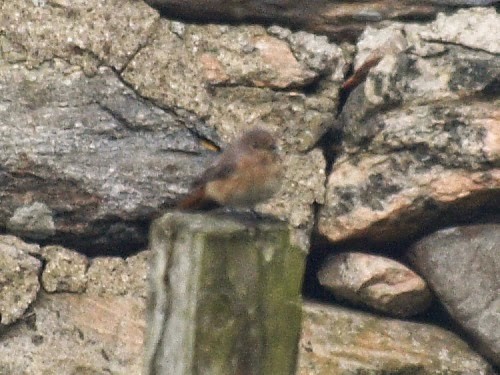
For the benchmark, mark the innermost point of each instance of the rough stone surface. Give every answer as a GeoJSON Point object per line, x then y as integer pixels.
{"type": "Point", "coordinates": [456, 29]}
{"type": "Point", "coordinates": [16, 242]}
{"type": "Point", "coordinates": [344, 342]}
{"type": "Point", "coordinates": [233, 78]}
{"type": "Point", "coordinates": [34, 221]}
{"type": "Point", "coordinates": [462, 265]}
{"type": "Point", "coordinates": [229, 77]}
{"type": "Point", "coordinates": [98, 156]}
{"type": "Point", "coordinates": [87, 34]}
{"type": "Point", "coordinates": [64, 271]}
{"type": "Point", "coordinates": [421, 141]}
{"type": "Point", "coordinates": [71, 334]}
{"type": "Point", "coordinates": [118, 276]}
{"type": "Point", "coordinates": [95, 331]}
{"type": "Point", "coordinates": [225, 296]}
{"type": "Point", "coordinates": [381, 283]}
{"type": "Point", "coordinates": [339, 20]}
{"type": "Point", "coordinates": [19, 282]}
{"type": "Point", "coordinates": [103, 160]}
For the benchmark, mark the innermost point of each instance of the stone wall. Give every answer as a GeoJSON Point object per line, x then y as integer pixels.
{"type": "Point", "coordinates": [387, 117]}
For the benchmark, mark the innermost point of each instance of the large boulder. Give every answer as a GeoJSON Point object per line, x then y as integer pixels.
{"type": "Point", "coordinates": [462, 265]}
{"type": "Point", "coordinates": [339, 341]}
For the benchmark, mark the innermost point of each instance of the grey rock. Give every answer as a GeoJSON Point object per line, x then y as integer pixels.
{"type": "Point", "coordinates": [462, 265]}
{"type": "Point", "coordinates": [65, 270]}
{"type": "Point", "coordinates": [244, 66]}
{"type": "Point", "coordinates": [35, 221]}
{"type": "Point", "coordinates": [102, 159]}
{"type": "Point", "coordinates": [139, 271]}
{"type": "Point", "coordinates": [382, 284]}
{"type": "Point", "coordinates": [19, 282]}
{"type": "Point", "coordinates": [475, 3]}
{"type": "Point", "coordinates": [420, 145]}
{"type": "Point", "coordinates": [343, 342]}
{"type": "Point", "coordinates": [454, 29]}
{"type": "Point", "coordinates": [65, 333]}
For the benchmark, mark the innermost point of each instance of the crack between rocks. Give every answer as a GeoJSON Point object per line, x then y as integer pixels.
{"type": "Point", "coordinates": [450, 43]}
{"type": "Point", "coordinates": [289, 89]}
{"type": "Point", "coordinates": [151, 34]}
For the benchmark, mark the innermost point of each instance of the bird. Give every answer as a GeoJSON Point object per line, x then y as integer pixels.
{"type": "Point", "coordinates": [247, 172]}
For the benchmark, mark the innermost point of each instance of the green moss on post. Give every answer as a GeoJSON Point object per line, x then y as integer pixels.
{"type": "Point", "coordinates": [225, 297]}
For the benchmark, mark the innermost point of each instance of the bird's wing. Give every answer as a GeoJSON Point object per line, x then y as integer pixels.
{"type": "Point", "coordinates": [221, 170]}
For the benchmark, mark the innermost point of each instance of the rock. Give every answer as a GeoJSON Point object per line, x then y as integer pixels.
{"type": "Point", "coordinates": [76, 334]}
{"type": "Point", "coordinates": [304, 175]}
{"type": "Point", "coordinates": [34, 221]}
{"type": "Point", "coordinates": [108, 275]}
{"type": "Point", "coordinates": [139, 269]}
{"type": "Point", "coordinates": [462, 265]}
{"type": "Point", "coordinates": [94, 159]}
{"type": "Point", "coordinates": [118, 276]}
{"type": "Point", "coordinates": [19, 282]}
{"type": "Point", "coordinates": [208, 66]}
{"type": "Point", "coordinates": [86, 34]}
{"type": "Point", "coordinates": [65, 270]}
{"type": "Point", "coordinates": [16, 242]}
{"type": "Point", "coordinates": [340, 341]}
{"type": "Point", "coordinates": [380, 283]}
{"type": "Point", "coordinates": [340, 20]}
{"type": "Point", "coordinates": [226, 76]}
{"type": "Point", "coordinates": [421, 141]}
{"type": "Point", "coordinates": [68, 333]}
{"type": "Point", "coordinates": [103, 160]}
{"type": "Point", "coordinates": [452, 29]}
{"type": "Point", "coordinates": [225, 296]}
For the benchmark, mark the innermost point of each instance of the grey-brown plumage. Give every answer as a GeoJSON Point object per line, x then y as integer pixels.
{"type": "Point", "coordinates": [249, 171]}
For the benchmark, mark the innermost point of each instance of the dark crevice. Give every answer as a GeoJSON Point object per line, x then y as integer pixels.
{"type": "Point", "coordinates": [491, 91]}
{"type": "Point", "coordinates": [485, 211]}
{"type": "Point", "coordinates": [320, 249]}
{"type": "Point", "coordinates": [109, 237]}
{"type": "Point", "coordinates": [330, 144]}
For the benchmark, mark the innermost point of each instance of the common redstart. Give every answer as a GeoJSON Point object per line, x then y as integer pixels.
{"type": "Point", "coordinates": [249, 171]}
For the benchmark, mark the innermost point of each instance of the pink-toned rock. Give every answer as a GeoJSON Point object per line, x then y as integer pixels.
{"type": "Point", "coordinates": [388, 197]}
{"type": "Point", "coordinates": [378, 282]}
{"type": "Point", "coordinates": [339, 341]}
{"type": "Point", "coordinates": [76, 334]}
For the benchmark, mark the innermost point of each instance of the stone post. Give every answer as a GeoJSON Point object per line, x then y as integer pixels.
{"type": "Point", "coordinates": [225, 297]}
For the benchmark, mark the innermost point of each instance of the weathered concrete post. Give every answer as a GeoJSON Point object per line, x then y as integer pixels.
{"type": "Point", "coordinates": [225, 297]}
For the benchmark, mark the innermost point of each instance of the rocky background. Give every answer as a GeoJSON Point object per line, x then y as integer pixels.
{"type": "Point", "coordinates": [388, 117]}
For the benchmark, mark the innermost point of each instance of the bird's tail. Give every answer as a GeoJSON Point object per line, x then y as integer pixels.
{"type": "Point", "coordinates": [196, 200]}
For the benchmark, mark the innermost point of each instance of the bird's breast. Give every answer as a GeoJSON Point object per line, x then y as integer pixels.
{"type": "Point", "coordinates": [256, 178]}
